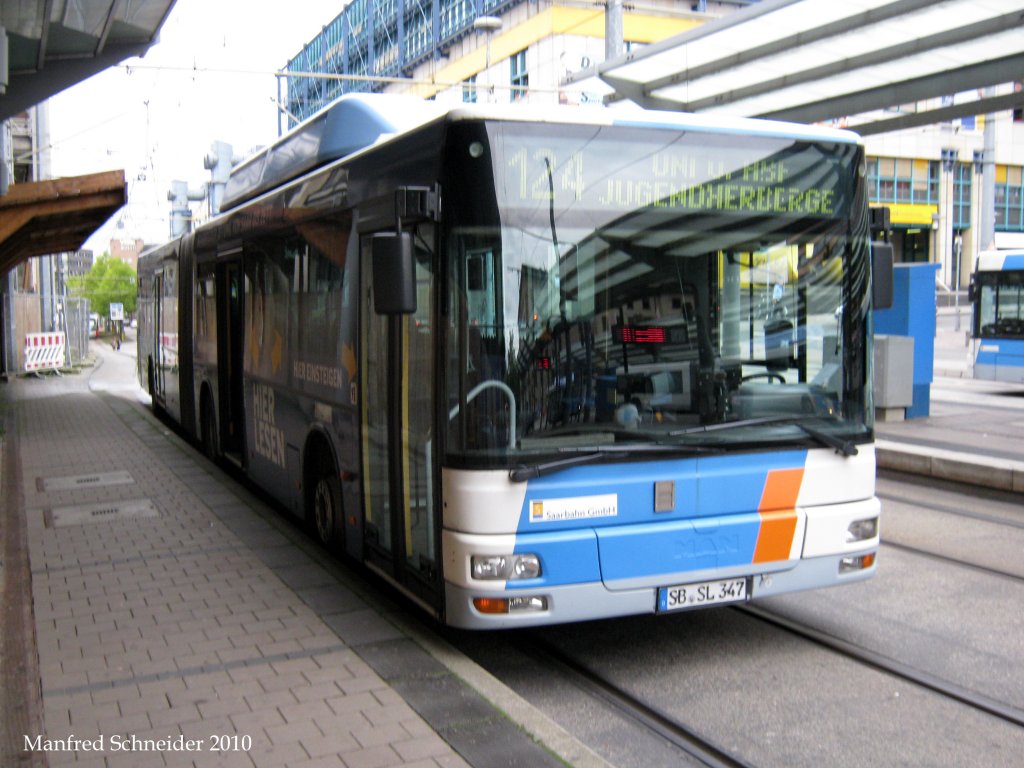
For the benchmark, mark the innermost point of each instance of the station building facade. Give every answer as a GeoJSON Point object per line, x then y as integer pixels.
{"type": "Point", "coordinates": [931, 179]}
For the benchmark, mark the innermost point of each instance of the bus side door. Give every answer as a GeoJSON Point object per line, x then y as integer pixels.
{"type": "Point", "coordinates": [396, 382]}
{"type": "Point", "coordinates": [230, 351]}
{"type": "Point", "coordinates": [157, 382]}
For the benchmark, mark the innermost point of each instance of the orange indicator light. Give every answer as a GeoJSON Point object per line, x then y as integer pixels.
{"type": "Point", "coordinates": [490, 604]}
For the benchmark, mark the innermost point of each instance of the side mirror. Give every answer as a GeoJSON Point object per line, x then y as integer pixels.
{"type": "Point", "coordinates": [881, 275]}
{"type": "Point", "coordinates": [394, 273]}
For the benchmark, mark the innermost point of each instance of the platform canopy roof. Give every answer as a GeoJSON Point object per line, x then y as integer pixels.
{"type": "Point", "coordinates": [817, 60]}
{"type": "Point", "coordinates": [53, 44]}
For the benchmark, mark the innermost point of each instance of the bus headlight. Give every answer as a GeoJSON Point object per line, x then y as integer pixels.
{"type": "Point", "coordinates": [505, 567]}
{"type": "Point", "coordinates": [862, 530]}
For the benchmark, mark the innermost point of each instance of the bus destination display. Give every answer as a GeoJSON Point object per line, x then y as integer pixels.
{"type": "Point", "coordinates": [798, 180]}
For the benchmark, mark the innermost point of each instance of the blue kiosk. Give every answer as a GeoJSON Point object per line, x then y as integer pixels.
{"type": "Point", "coordinates": [913, 314]}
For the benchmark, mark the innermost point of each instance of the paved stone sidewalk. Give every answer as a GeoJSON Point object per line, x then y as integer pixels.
{"type": "Point", "coordinates": [175, 613]}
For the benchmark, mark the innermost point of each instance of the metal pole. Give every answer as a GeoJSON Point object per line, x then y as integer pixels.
{"type": "Point", "coordinates": [949, 158]}
{"type": "Point", "coordinates": [987, 234]}
{"type": "Point", "coordinates": [958, 254]}
{"type": "Point", "coordinates": [488, 25]}
{"type": "Point", "coordinates": [613, 34]}
{"type": "Point", "coordinates": [5, 166]}
{"type": "Point", "coordinates": [280, 111]}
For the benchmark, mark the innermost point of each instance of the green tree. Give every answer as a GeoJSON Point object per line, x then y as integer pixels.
{"type": "Point", "coordinates": [110, 281]}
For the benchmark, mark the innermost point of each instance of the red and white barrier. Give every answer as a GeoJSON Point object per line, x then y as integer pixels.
{"type": "Point", "coordinates": [44, 351]}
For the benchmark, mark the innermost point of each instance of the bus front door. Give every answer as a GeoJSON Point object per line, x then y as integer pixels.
{"type": "Point", "coordinates": [156, 371]}
{"type": "Point", "coordinates": [230, 359]}
{"type": "Point", "coordinates": [397, 383]}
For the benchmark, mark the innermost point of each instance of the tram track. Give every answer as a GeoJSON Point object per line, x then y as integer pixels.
{"type": "Point", "coordinates": [663, 725]}
{"type": "Point", "coordinates": [890, 666]}
{"type": "Point", "coordinates": [647, 716]}
{"type": "Point", "coordinates": [959, 511]}
{"type": "Point", "coordinates": [953, 560]}
{"type": "Point", "coordinates": [952, 510]}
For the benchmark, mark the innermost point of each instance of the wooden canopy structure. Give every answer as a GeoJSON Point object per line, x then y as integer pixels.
{"type": "Point", "coordinates": [56, 215]}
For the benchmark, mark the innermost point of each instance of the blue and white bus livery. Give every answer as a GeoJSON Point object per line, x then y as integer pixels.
{"type": "Point", "coordinates": [539, 366]}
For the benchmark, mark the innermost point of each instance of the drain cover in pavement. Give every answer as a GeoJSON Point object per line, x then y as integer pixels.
{"type": "Point", "coordinates": [103, 512]}
{"type": "Point", "coordinates": [98, 480]}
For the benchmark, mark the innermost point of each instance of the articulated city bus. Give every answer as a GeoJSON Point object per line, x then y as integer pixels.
{"type": "Point", "coordinates": [997, 290]}
{"type": "Point", "coordinates": [538, 366]}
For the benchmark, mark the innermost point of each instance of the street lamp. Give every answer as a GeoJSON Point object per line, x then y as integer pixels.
{"type": "Point", "coordinates": [489, 25]}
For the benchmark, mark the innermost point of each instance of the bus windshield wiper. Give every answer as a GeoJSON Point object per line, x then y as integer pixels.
{"type": "Point", "coordinates": [595, 453]}
{"type": "Point", "coordinates": [521, 474]}
{"type": "Point", "coordinates": [845, 447]}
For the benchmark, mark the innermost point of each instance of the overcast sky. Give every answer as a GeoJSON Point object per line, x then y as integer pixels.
{"type": "Point", "coordinates": [157, 117]}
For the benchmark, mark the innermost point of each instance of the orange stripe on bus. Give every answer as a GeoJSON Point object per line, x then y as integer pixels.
{"type": "Point", "coordinates": [781, 489]}
{"type": "Point", "coordinates": [778, 515]}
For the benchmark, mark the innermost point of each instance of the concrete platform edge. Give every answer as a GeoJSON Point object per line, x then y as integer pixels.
{"type": "Point", "coordinates": [989, 472]}
{"type": "Point", "coordinates": [542, 728]}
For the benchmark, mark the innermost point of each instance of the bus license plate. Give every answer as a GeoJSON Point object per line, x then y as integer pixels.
{"type": "Point", "coordinates": [702, 593]}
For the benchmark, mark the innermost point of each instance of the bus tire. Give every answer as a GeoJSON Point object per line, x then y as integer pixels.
{"type": "Point", "coordinates": [208, 427]}
{"type": "Point", "coordinates": [325, 515]}
{"type": "Point", "coordinates": [158, 411]}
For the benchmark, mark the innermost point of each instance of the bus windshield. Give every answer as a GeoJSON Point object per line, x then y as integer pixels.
{"type": "Point", "coordinates": [613, 287]}
{"type": "Point", "coordinates": [1000, 304]}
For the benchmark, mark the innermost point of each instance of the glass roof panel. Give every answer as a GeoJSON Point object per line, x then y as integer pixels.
{"type": "Point", "coordinates": [802, 22]}
{"type": "Point", "coordinates": [882, 75]}
{"type": "Point", "coordinates": [701, 47]}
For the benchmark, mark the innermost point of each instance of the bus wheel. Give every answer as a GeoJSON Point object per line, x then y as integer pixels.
{"type": "Point", "coordinates": [327, 519]}
{"type": "Point", "coordinates": [209, 430]}
{"type": "Point", "coordinates": [157, 410]}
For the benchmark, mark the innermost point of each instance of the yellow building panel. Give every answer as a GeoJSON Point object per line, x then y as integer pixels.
{"type": "Point", "coordinates": [588, 22]}
{"type": "Point", "coordinates": [640, 28]}
{"type": "Point", "coordinates": [1000, 174]}
{"type": "Point", "coordinates": [636, 27]}
{"type": "Point", "coordinates": [912, 213]}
